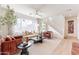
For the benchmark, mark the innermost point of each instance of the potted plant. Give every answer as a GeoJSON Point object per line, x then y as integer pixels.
{"type": "Point", "coordinates": [8, 19]}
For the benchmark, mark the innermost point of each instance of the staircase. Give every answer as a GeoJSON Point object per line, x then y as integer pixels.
{"type": "Point", "coordinates": [56, 33]}
{"type": "Point", "coordinates": [56, 28]}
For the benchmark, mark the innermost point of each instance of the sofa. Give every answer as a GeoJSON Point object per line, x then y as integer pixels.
{"type": "Point", "coordinates": [9, 46]}
{"type": "Point", "coordinates": [75, 48]}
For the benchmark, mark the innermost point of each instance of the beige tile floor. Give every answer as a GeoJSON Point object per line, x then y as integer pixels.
{"type": "Point", "coordinates": [52, 47]}
{"type": "Point", "coordinates": [45, 48]}
{"type": "Point", "coordinates": [64, 48]}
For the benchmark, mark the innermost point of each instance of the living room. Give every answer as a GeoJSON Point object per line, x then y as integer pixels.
{"type": "Point", "coordinates": [39, 29]}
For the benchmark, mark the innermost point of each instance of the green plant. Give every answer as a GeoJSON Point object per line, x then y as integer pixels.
{"type": "Point", "coordinates": [9, 18]}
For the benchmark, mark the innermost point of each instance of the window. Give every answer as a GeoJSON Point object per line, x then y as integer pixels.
{"type": "Point", "coordinates": [23, 25]}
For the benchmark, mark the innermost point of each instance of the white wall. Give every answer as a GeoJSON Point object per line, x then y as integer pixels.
{"type": "Point", "coordinates": [57, 23]}
{"type": "Point", "coordinates": [78, 27]}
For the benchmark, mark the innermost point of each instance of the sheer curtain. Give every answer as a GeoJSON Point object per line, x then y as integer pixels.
{"type": "Point", "coordinates": [23, 25]}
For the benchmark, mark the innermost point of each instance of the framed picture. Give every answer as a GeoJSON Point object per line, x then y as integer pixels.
{"type": "Point", "coordinates": [71, 26]}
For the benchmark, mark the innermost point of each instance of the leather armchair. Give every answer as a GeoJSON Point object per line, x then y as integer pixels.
{"type": "Point", "coordinates": [75, 48]}
{"type": "Point", "coordinates": [9, 46]}
{"type": "Point", "coordinates": [47, 34]}
{"type": "Point", "coordinates": [13, 46]}
{"type": "Point", "coordinates": [5, 46]}
{"type": "Point", "coordinates": [0, 46]}
{"type": "Point", "coordinates": [18, 41]}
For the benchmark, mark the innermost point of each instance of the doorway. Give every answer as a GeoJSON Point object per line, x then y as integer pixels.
{"type": "Point", "coordinates": [70, 27]}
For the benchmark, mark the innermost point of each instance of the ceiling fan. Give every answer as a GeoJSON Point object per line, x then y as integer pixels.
{"type": "Point", "coordinates": [37, 12]}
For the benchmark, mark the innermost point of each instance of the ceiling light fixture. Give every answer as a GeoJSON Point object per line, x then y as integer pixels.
{"type": "Point", "coordinates": [69, 12]}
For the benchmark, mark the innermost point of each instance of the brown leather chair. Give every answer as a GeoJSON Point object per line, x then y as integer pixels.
{"type": "Point", "coordinates": [10, 45]}
{"type": "Point", "coordinates": [47, 34]}
{"type": "Point", "coordinates": [75, 48]}
{"type": "Point", "coordinates": [13, 46]}
{"type": "Point", "coordinates": [5, 46]}
{"type": "Point", "coordinates": [0, 46]}
{"type": "Point", "coordinates": [18, 41]}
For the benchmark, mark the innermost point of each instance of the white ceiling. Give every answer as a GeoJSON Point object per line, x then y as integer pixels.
{"type": "Point", "coordinates": [46, 9]}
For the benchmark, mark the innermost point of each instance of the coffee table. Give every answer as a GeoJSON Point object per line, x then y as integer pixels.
{"type": "Point", "coordinates": [25, 46]}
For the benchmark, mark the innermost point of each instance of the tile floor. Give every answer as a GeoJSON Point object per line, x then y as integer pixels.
{"type": "Point", "coordinates": [52, 47]}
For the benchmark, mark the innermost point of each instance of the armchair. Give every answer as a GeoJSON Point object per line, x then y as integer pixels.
{"type": "Point", "coordinates": [75, 48]}
{"type": "Point", "coordinates": [48, 34]}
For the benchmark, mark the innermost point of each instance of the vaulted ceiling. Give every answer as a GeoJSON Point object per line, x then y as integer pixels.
{"type": "Point", "coordinates": [46, 9]}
